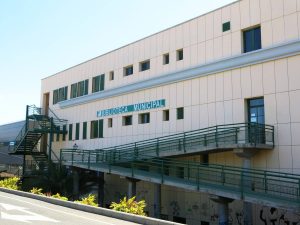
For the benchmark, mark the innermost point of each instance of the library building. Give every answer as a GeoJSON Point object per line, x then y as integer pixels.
{"type": "Point", "coordinates": [201, 120]}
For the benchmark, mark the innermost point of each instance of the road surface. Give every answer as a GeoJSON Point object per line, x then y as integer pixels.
{"type": "Point", "coordinates": [17, 210]}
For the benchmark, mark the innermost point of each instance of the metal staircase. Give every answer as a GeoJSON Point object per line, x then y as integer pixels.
{"type": "Point", "coordinates": [27, 143]}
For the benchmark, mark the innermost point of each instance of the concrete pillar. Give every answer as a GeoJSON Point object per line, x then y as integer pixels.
{"type": "Point", "coordinates": [131, 187]}
{"type": "Point", "coordinates": [100, 176]}
{"type": "Point", "coordinates": [246, 155]}
{"type": "Point", "coordinates": [75, 184]}
{"type": "Point", "coordinates": [157, 200]}
{"type": "Point", "coordinates": [223, 208]}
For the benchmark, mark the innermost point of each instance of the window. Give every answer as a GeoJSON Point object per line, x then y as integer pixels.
{"type": "Point", "coordinates": [166, 114]}
{"type": "Point", "coordinates": [70, 132]}
{"type": "Point", "coordinates": [79, 89]}
{"type": "Point", "coordinates": [252, 39]}
{"type": "Point", "coordinates": [145, 65]}
{"type": "Point", "coordinates": [98, 83]}
{"type": "Point", "coordinates": [77, 130]}
{"type": "Point", "coordinates": [84, 130]}
{"type": "Point", "coordinates": [179, 54]}
{"type": "Point", "coordinates": [128, 70]}
{"type": "Point", "coordinates": [127, 120]}
{"type": "Point", "coordinates": [60, 94]}
{"type": "Point", "coordinates": [96, 129]}
{"type": "Point", "coordinates": [144, 118]}
{"type": "Point", "coordinates": [64, 132]}
{"type": "Point", "coordinates": [226, 26]}
{"type": "Point", "coordinates": [111, 75]}
{"type": "Point", "coordinates": [180, 113]}
{"type": "Point", "coordinates": [110, 122]}
{"type": "Point", "coordinates": [166, 59]}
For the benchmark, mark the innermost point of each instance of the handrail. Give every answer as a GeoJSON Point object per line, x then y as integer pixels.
{"type": "Point", "coordinates": [269, 183]}
{"type": "Point", "coordinates": [221, 136]}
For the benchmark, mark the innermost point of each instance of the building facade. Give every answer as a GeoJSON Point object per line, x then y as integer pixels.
{"type": "Point", "coordinates": [238, 64]}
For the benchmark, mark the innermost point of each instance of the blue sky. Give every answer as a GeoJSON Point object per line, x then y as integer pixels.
{"type": "Point", "coordinates": [40, 38]}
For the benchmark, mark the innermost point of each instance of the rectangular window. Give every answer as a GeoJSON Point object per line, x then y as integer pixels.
{"type": "Point", "coordinates": [145, 65]}
{"type": "Point", "coordinates": [84, 130]}
{"type": "Point", "coordinates": [127, 120]}
{"type": "Point", "coordinates": [64, 134]}
{"type": "Point", "coordinates": [97, 129]}
{"type": "Point", "coordinates": [77, 131]}
{"type": "Point", "coordinates": [94, 129]}
{"type": "Point", "coordinates": [110, 122]}
{"type": "Point", "coordinates": [180, 113]}
{"type": "Point", "coordinates": [179, 54]}
{"type": "Point", "coordinates": [166, 59]}
{"type": "Point", "coordinates": [100, 128]}
{"type": "Point", "coordinates": [128, 70]}
{"type": "Point", "coordinates": [60, 94]}
{"type": "Point", "coordinates": [166, 115]}
{"type": "Point", "coordinates": [144, 118]}
{"type": "Point", "coordinates": [226, 26]}
{"type": "Point", "coordinates": [252, 39]}
{"type": "Point", "coordinates": [70, 132]}
{"type": "Point", "coordinates": [98, 83]}
{"type": "Point", "coordinates": [79, 89]}
{"type": "Point", "coordinates": [111, 75]}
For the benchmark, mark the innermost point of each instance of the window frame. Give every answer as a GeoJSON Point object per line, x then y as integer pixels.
{"type": "Point", "coordinates": [254, 44]}
{"type": "Point", "coordinates": [166, 58]}
{"type": "Point", "coordinates": [124, 122]}
{"type": "Point", "coordinates": [144, 118]}
{"type": "Point", "coordinates": [180, 113]}
{"type": "Point", "coordinates": [125, 69]}
{"type": "Point", "coordinates": [145, 65]}
{"type": "Point", "coordinates": [179, 54]}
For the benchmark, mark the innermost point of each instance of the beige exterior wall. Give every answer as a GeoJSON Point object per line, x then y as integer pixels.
{"type": "Point", "coordinates": [210, 100]}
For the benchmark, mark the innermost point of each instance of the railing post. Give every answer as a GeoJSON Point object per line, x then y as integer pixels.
{"type": "Point", "coordinates": [299, 187]}
{"type": "Point", "coordinates": [236, 135]}
{"type": "Point", "coordinates": [223, 176]}
{"type": "Point", "coordinates": [157, 147]}
{"type": "Point", "coordinates": [265, 179]}
{"type": "Point", "coordinates": [242, 184]}
{"type": "Point", "coordinates": [216, 136]}
{"type": "Point", "coordinates": [205, 140]}
{"type": "Point", "coordinates": [162, 171]}
{"type": "Point", "coordinates": [183, 143]}
{"type": "Point", "coordinates": [131, 169]}
{"type": "Point", "coordinates": [188, 170]}
{"type": "Point", "coordinates": [51, 137]}
{"type": "Point", "coordinates": [136, 153]}
{"type": "Point", "coordinates": [89, 159]}
{"type": "Point", "coordinates": [72, 158]}
{"type": "Point", "coordinates": [273, 138]}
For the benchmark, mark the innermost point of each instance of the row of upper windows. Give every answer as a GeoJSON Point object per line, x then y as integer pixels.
{"type": "Point", "coordinates": [251, 42]}
{"type": "Point", "coordinates": [97, 126]}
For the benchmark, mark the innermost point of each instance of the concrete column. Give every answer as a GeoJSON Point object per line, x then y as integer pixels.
{"type": "Point", "coordinates": [157, 200]}
{"type": "Point", "coordinates": [75, 184]}
{"type": "Point", "coordinates": [131, 187]}
{"type": "Point", "coordinates": [100, 176]}
{"type": "Point", "coordinates": [246, 155]}
{"type": "Point", "coordinates": [223, 213]}
{"type": "Point", "coordinates": [223, 208]}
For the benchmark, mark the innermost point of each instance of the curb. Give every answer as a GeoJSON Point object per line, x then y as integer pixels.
{"type": "Point", "coordinates": [96, 210]}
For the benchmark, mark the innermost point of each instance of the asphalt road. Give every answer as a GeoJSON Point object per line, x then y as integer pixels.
{"type": "Point", "coordinates": [17, 210]}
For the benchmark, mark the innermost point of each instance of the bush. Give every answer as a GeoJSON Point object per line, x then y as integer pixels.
{"type": "Point", "coordinates": [10, 183]}
{"type": "Point", "coordinates": [36, 191]}
{"type": "Point", "coordinates": [90, 200]}
{"type": "Point", "coordinates": [58, 196]}
{"type": "Point", "coordinates": [130, 206]}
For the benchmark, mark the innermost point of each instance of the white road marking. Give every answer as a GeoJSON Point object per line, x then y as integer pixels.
{"type": "Point", "coordinates": [59, 211]}
{"type": "Point", "coordinates": [22, 218]}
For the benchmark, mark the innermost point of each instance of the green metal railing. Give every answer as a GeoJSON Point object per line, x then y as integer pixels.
{"type": "Point", "coordinates": [268, 184]}
{"type": "Point", "coordinates": [245, 135]}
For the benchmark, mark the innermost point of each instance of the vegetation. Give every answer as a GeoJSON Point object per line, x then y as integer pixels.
{"type": "Point", "coordinates": [130, 206]}
{"type": "Point", "coordinates": [10, 183]}
{"type": "Point", "coordinates": [37, 191]}
{"type": "Point", "coordinates": [90, 200]}
{"type": "Point", "coordinates": [58, 196]}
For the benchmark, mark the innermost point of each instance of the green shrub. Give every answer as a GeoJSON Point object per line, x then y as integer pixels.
{"type": "Point", "coordinates": [58, 196]}
{"type": "Point", "coordinates": [10, 183]}
{"type": "Point", "coordinates": [130, 206]}
{"type": "Point", "coordinates": [36, 191]}
{"type": "Point", "coordinates": [89, 200]}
